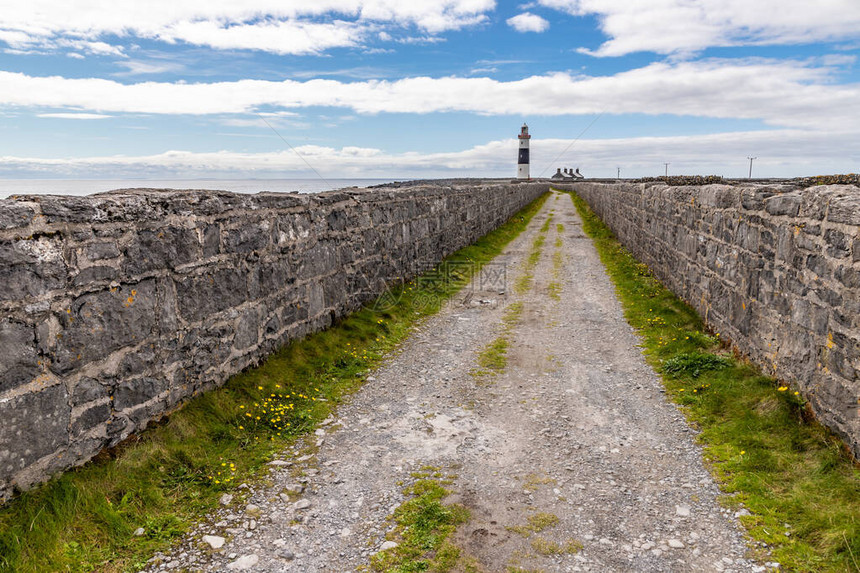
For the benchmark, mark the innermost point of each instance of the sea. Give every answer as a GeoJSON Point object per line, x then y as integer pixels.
{"type": "Point", "coordinates": [89, 186]}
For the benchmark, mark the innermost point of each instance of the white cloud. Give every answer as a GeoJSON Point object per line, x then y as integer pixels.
{"type": "Point", "coordinates": [781, 153]}
{"type": "Point", "coordinates": [73, 115]}
{"type": "Point", "coordinates": [672, 26]}
{"type": "Point", "coordinates": [289, 37]}
{"type": "Point", "coordinates": [269, 25]}
{"type": "Point", "coordinates": [528, 22]}
{"type": "Point", "coordinates": [419, 40]}
{"type": "Point", "coordinates": [138, 67]}
{"type": "Point", "coordinates": [782, 93]}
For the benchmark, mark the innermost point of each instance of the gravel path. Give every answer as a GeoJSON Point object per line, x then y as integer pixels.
{"type": "Point", "coordinates": [576, 426]}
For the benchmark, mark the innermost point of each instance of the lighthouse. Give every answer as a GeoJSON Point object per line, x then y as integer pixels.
{"type": "Point", "coordinates": [523, 157]}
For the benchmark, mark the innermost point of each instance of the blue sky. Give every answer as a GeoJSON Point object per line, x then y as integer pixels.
{"type": "Point", "coordinates": [410, 89]}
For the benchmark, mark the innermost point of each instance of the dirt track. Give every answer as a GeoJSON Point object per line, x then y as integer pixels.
{"type": "Point", "coordinates": [576, 426]}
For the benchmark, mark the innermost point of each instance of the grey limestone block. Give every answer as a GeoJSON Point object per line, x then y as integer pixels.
{"type": "Point", "coordinates": [90, 418]}
{"type": "Point", "coordinates": [34, 425]}
{"type": "Point", "coordinates": [247, 237]}
{"type": "Point", "coordinates": [14, 214]}
{"type": "Point", "coordinates": [845, 209]}
{"type": "Point", "coordinates": [838, 243]}
{"type": "Point", "coordinates": [96, 324]}
{"type": "Point", "coordinates": [19, 361]}
{"type": "Point", "coordinates": [160, 248]}
{"type": "Point", "coordinates": [31, 267]}
{"type": "Point", "coordinates": [132, 392]}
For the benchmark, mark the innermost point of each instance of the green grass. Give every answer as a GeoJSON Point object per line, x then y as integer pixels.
{"type": "Point", "coordinates": [548, 547]}
{"type": "Point", "coordinates": [546, 224]}
{"type": "Point", "coordinates": [495, 356]}
{"type": "Point", "coordinates": [174, 472]}
{"type": "Point", "coordinates": [762, 444]}
{"type": "Point", "coordinates": [493, 359]}
{"type": "Point", "coordinates": [423, 525]}
{"type": "Point", "coordinates": [535, 524]}
{"type": "Point", "coordinates": [694, 364]}
{"type": "Point", "coordinates": [524, 281]}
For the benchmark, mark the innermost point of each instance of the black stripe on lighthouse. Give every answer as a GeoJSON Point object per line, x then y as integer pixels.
{"type": "Point", "coordinates": [523, 158]}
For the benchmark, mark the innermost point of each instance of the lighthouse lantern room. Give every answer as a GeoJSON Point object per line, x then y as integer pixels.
{"type": "Point", "coordinates": [523, 157]}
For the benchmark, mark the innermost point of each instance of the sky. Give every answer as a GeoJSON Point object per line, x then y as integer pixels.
{"type": "Point", "coordinates": [419, 89]}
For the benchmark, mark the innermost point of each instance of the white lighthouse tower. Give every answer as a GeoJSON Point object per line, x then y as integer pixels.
{"type": "Point", "coordinates": [523, 157]}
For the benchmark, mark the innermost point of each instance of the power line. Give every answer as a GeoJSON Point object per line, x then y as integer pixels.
{"type": "Point", "coordinates": [581, 133]}
{"type": "Point", "coordinates": [329, 185]}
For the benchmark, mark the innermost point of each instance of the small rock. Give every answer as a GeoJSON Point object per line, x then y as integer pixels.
{"type": "Point", "coordinates": [682, 510]}
{"type": "Point", "coordinates": [286, 554]}
{"type": "Point", "coordinates": [387, 545]}
{"type": "Point", "coordinates": [139, 532]}
{"type": "Point", "coordinates": [280, 463]}
{"type": "Point", "coordinates": [214, 541]}
{"type": "Point", "coordinates": [225, 499]}
{"type": "Point", "coordinates": [243, 563]}
{"type": "Point", "coordinates": [302, 504]}
{"type": "Point", "coordinates": [676, 544]}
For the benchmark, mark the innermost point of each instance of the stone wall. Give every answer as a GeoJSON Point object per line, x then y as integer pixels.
{"type": "Point", "coordinates": [117, 307]}
{"type": "Point", "coordinates": [775, 269]}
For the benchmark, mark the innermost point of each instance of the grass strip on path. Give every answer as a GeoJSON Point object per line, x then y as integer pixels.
{"type": "Point", "coordinates": [767, 452]}
{"type": "Point", "coordinates": [524, 281]}
{"type": "Point", "coordinates": [172, 474]}
{"type": "Point", "coordinates": [422, 527]}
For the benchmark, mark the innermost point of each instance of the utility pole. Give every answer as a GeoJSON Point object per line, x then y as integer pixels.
{"type": "Point", "coordinates": [619, 173]}
{"type": "Point", "coordinates": [667, 169]}
{"type": "Point", "coordinates": [751, 160]}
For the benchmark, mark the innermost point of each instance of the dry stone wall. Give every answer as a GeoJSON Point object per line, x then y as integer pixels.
{"type": "Point", "coordinates": [118, 307]}
{"type": "Point", "coordinates": [775, 269]}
